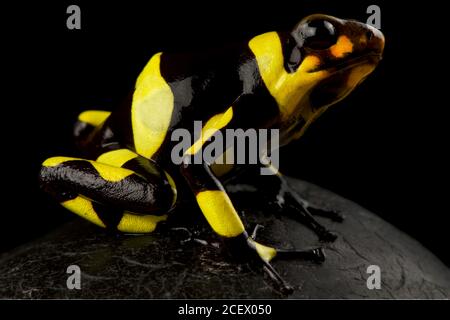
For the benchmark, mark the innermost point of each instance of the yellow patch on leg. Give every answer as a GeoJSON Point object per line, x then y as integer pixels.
{"type": "Point", "coordinates": [109, 173]}
{"type": "Point", "coordinates": [220, 213]}
{"type": "Point", "coordinates": [117, 158]}
{"type": "Point", "coordinates": [83, 207]}
{"type": "Point", "coordinates": [132, 223]}
{"type": "Point", "coordinates": [266, 253]}
{"type": "Point", "coordinates": [213, 125]}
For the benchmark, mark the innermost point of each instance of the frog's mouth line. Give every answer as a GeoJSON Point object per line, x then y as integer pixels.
{"type": "Point", "coordinates": [335, 86]}
{"type": "Point", "coordinates": [371, 58]}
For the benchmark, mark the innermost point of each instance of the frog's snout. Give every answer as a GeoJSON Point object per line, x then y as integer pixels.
{"type": "Point", "coordinates": [374, 39]}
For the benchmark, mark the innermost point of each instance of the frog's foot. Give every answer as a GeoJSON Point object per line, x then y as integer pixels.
{"type": "Point", "coordinates": [266, 254]}
{"type": "Point", "coordinates": [290, 203]}
{"type": "Point", "coordinates": [315, 254]}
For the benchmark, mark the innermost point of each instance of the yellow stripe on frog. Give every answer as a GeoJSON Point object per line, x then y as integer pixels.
{"type": "Point", "coordinates": [151, 109]}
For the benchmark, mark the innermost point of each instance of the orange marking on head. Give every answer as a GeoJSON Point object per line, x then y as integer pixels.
{"type": "Point", "coordinates": [342, 47]}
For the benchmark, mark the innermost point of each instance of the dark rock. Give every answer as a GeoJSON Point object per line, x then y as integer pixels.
{"type": "Point", "coordinates": [163, 265]}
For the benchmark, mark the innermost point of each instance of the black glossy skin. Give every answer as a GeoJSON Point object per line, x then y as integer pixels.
{"type": "Point", "coordinates": [205, 84]}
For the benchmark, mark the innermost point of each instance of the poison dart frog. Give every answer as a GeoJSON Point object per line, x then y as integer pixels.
{"type": "Point", "coordinates": [125, 179]}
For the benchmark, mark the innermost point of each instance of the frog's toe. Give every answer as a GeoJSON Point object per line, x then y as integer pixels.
{"type": "Point", "coordinates": [255, 231]}
{"type": "Point", "coordinates": [313, 254]}
{"type": "Point", "coordinates": [283, 286]}
{"type": "Point", "coordinates": [316, 255]}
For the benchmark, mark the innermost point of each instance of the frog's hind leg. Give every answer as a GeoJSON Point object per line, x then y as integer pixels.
{"type": "Point", "coordinates": [108, 193]}
{"type": "Point", "coordinates": [86, 123]}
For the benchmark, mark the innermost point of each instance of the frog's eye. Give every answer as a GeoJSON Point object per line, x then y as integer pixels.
{"type": "Point", "coordinates": [317, 34]}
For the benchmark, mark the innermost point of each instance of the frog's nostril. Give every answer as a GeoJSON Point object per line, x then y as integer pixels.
{"type": "Point", "coordinates": [375, 39]}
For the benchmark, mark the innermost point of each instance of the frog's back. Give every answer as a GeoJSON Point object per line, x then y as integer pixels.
{"type": "Point", "coordinates": [176, 89]}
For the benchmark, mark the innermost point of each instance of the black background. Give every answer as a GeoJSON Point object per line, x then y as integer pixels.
{"type": "Point", "coordinates": [382, 147]}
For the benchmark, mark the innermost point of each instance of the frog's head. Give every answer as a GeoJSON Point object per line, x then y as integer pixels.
{"type": "Point", "coordinates": [329, 57]}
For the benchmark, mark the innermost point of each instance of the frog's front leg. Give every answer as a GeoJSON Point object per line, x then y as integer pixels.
{"type": "Point", "coordinates": [221, 215]}
{"type": "Point", "coordinates": [289, 201]}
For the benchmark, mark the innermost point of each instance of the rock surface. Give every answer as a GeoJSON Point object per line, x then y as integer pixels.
{"type": "Point", "coordinates": [165, 265]}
